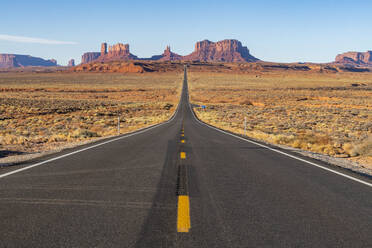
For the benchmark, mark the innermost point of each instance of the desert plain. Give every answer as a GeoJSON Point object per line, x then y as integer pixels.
{"type": "Point", "coordinates": [322, 113]}
{"type": "Point", "coordinates": [41, 112]}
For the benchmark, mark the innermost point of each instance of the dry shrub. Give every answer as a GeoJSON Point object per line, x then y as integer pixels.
{"type": "Point", "coordinates": [57, 138]}
{"type": "Point", "coordinates": [246, 102]}
{"type": "Point", "coordinates": [284, 139]}
{"type": "Point", "coordinates": [349, 149]}
{"type": "Point", "coordinates": [364, 148]}
{"type": "Point", "coordinates": [84, 133]}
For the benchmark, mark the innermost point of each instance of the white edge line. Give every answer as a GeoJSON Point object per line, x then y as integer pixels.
{"type": "Point", "coordinates": [281, 152]}
{"type": "Point", "coordinates": [142, 130]}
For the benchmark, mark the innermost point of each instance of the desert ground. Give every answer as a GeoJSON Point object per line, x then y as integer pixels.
{"type": "Point", "coordinates": [44, 111]}
{"type": "Point", "coordinates": [324, 113]}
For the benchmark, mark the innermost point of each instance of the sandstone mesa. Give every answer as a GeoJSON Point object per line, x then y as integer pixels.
{"type": "Point", "coordinates": [16, 60]}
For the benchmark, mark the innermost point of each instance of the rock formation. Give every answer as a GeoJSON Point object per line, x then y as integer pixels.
{"type": "Point", "coordinates": [103, 49]}
{"type": "Point", "coordinates": [118, 51]}
{"type": "Point", "coordinates": [115, 52]}
{"type": "Point", "coordinates": [167, 55]}
{"type": "Point", "coordinates": [225, 51]}
{"type": "Point", "coordinates": [16, 60]}
{"type": "Point", "coordinates": [89, 57]}
{"type": "Point", "coordinates": [71, 62]}
{"type": "Point", "coordinates": [355, 58]}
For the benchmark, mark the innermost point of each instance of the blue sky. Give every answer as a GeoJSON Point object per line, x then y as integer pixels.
{"type": "Point", "coordinates": [273, 30]}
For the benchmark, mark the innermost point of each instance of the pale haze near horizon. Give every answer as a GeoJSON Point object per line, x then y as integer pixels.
{"type": "Point", "coordinates": [279, 31]}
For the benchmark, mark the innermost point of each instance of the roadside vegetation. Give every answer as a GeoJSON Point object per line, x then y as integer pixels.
{"type": "Point", "coordinates": [326, 113]}
{"type": "Point", "coordinates": [43, 111]}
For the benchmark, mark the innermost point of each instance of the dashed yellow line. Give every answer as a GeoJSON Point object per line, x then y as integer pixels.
{"type": "Point", "coordinates": [183, 214]}
{"type": "Point", "coordinates": [183, 155]}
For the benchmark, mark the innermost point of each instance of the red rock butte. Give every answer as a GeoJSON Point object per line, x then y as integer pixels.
{"type": "Point", "coordinates": [225, 50]}
{"type": "Point", "coordinates": [355, 58]}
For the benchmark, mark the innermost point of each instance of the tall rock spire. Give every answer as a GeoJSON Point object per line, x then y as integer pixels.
{"type": "Point", "coordinates": [103, 49]}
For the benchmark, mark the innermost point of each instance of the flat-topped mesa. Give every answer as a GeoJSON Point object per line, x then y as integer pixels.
{"type": "Point", "coordinates": [16, 60]}
{"type": "Point", "coordinates": [355, 58]}
{"type": "Point", "coordinates": [225, 50]}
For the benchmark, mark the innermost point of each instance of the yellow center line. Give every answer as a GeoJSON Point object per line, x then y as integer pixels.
{"type": "Point", "coordinates": [183, 155]}
{"type": "Point", "coordinates": [183, 214]}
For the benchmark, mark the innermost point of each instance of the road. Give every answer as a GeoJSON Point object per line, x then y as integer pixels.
{"type": "Point", "coordinates": [214, 190]}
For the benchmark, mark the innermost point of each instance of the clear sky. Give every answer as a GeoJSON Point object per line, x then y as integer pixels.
{"type": "Point", "coordinates": [273, 30]}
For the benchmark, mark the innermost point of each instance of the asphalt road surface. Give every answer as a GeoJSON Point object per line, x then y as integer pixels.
{"type": "Point", "coordinates": [151, 189]}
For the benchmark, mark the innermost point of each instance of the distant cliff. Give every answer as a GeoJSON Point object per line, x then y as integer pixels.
{"type": "Point", "coordinates": [221, 51]}
{"type": "Point", "coordinates": [16, 60]}
{"type": "Point", "coordinates": [355, 58]}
